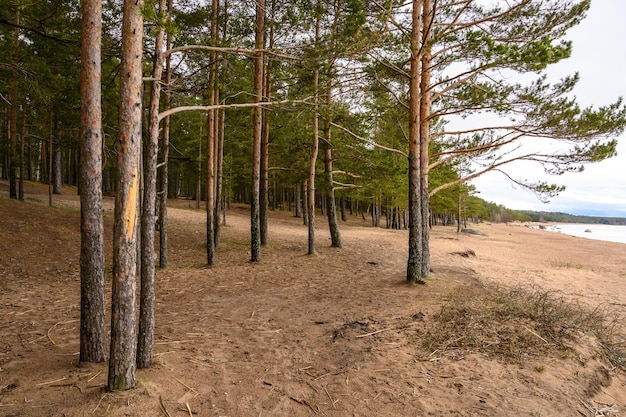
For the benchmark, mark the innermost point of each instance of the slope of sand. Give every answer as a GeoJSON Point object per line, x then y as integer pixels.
{"type": "Point", "coordinates": [334, 334]}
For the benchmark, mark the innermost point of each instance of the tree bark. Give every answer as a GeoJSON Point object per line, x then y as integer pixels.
{"type": "Point", "coordinates": [264, 167]}
{"type": "Point", "coordinates": [425, 105]}
{"type": "Point", "coordinates": [298, 200]}
{"type": "Point", "coordinates": [122, 363]}
{"type": "Point", "coordinates": [210, 145]}
{"type": "Point", "coordinates": [13, 110]}
{"type": "Point", "coordinates": [20, 192]}
{"type": "Point", "coordinates": [219, 180]}
{"type": "Point", "coordinates": [145, 343]}
{"type": "Point", "coordinates": [50, 153]}
{"type": "Point", "coordinates": [57, 171]}
{"type": "Point", "coordinates": [92, 307]}
{"type": "Point", "coordinates": [312, 162]}
{"type": "Point", "coordinates": [163, 238]}
{"type": "Point", "coordinates": [331, 207]}
{"type": "Point", "coordinates": [255, 227]}
{"type": "Point", "coordinates": [264, 186]}
{"type": "Point", "coordinates": [310, 196]}
{"type": "Point", "coordinates": [414, 263]}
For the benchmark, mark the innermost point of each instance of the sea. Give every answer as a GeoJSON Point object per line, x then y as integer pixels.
{"type": "Point", "coordinates": [609, 233]}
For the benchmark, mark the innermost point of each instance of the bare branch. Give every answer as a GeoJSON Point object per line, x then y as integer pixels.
{"type": "Point", "coordinates": [347, 173]}
{"type": "Point", "coordinates": [180, 109]}
{"type": "Point", "coordinates": [369, 141]}
{"type": "Point", "coordinates": [223, 49]}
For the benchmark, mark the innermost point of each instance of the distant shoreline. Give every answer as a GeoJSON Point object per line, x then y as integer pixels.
{"type": "Point", "coordinates": [604, 232]}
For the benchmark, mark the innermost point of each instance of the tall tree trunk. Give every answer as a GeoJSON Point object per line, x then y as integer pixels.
{"type": "Point", "coordinates": [20, 193]}
{"type": "Point", "coordinates": [305, 202]}
{"type": "Point", "coordinates": [210, 146]}
{"type": "Point", "coordinates": [57, 171]}
{"type": "Point", "coordinates": [414, 264]}
{"type": "Point", "coordinates": [50, 152]}
{"type": "Point", "coordinates": [425, 104]}
{"type": "Point", "coordinates": [216, 140]}
{"type": "Point", "coordinates": [122, 363]}
{"type": "Point", "coordinates": [255, 227]}
{"type": "Point", "coordinates": [13, 110]}
{"type": "Point", "coordinates": [298, 200]}
{"type": "Point", "coordinates": [165, 146]}
{"type": "Point", "coordinates": [312, 162]}
{"type": "Point", "coordinates": [331, 206]}
{"type": "Point", "coordinates": [92, 308]}
{"type": "Point", "coordinates": [310, 210]}
{"type": "Point", "coordinates": [219, 177]}
{"type": "Point", "coordinates": [264, 187]}
{"type": "Point", "coordinates": [145, 343]}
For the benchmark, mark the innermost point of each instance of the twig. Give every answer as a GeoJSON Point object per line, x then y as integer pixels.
{"type": "Point", "coordinates": [94, 377]}
{"type": "Point", "coordinates": [51, 382]}
{"type": "Point", "coordinates": [98, 405]}
{"type": "Point", "coordinates": [330, 398]}
{"type": "Point", "coordinates": [373, 333]}
{"type": "Point", "coordinates": [163, 409]}
{"type": "Point", "coordinates": [23, 312]}
{"type": "Point", "coordinates": [173, 342]}
{"type": "Point", "coordinates": [48, 334]}
{"type": "Point", "coordinates": [535, 334]}
{"type": "Point", "coordinates": [185, 385]}
{"type": "Point", "coordinates": [39, 338]}
{"type": "Point", "coordinates": [303, 402]}
{"type": "Point", "coordinates": [189, 409]}
{"type": "Point", "coordinates": [200, 363]}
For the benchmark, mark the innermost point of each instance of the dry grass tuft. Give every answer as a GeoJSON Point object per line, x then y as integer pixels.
{"type": "Point", "coordinates": [515, 323]}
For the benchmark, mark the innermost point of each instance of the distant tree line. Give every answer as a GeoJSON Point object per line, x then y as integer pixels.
{"type": "Point", "coordinates": [557, 217]}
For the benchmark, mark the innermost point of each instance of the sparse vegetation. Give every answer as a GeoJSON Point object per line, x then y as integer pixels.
{"type": "Point", "coordinates": [514, 323]}
{"type": "Point", "coordinates": [565, 264]}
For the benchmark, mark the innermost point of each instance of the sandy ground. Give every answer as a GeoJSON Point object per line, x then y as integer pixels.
{"type": "Point", "coordinates": [334, 334]}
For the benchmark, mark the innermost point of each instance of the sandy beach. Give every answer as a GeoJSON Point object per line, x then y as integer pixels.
{"type": "Point", "coordinates": [338, 333]}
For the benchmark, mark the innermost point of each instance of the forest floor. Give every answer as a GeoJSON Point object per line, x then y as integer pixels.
{"type": "Point", "coordinates": [519, 322]}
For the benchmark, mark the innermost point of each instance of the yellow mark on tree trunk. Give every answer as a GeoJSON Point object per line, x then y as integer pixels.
{"type": "Point", "coordinates": [131, 205]}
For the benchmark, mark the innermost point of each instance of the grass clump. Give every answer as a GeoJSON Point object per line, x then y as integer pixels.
{"type": "Point", "coordinates": [514, 323]}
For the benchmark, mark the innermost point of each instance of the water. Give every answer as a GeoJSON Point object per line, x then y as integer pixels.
{"type": "Point", "coordinates": [605, 232]}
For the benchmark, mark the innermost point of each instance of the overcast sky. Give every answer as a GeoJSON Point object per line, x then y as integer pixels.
{"type": "Point", "coordinates": [599, 56]}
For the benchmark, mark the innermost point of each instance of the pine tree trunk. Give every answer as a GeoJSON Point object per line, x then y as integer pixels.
{"type": "Point", "coordinates": [311, 182]}
{"type": "Point", "coordinates": [305, 203]}
{"type": "Point", "coordinates": [13, 110]}
{"type": "Point", "coordinates": [20, 192]}
{"type": "Point", "coordinates": [145, 342]}
{"type": "Point", "coordinates": [163, 224]}
{"type": "Point", "coordinates": [298, 200]}
{"type": "Point", "coordinates": [314, 152]}
{"type": "Point", "coordinates": [331, 207]}
{"type": "Point", "coordinates": [264, 186]}
{"type": "Point", "coordinates": [210, 145]}
{"type": "Point", "coordinates": [219, 204]}
{"type": "Point", "coordinates": [425, 104]}
{"type": "Point", "coordinates": [57, 171]}
{"type": "Point", "coordinates": [93, 335]}
{"type": "Point", "coordinates": [342, 204]}
{"type": "Point", "coordinates": [122, 363]}
{"type": "Point", "coordinates": [414, 263]}
{"type": "Point", "coordinates": [50, 153]}
{"type": "Point", "coordinates": [255, 227]}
